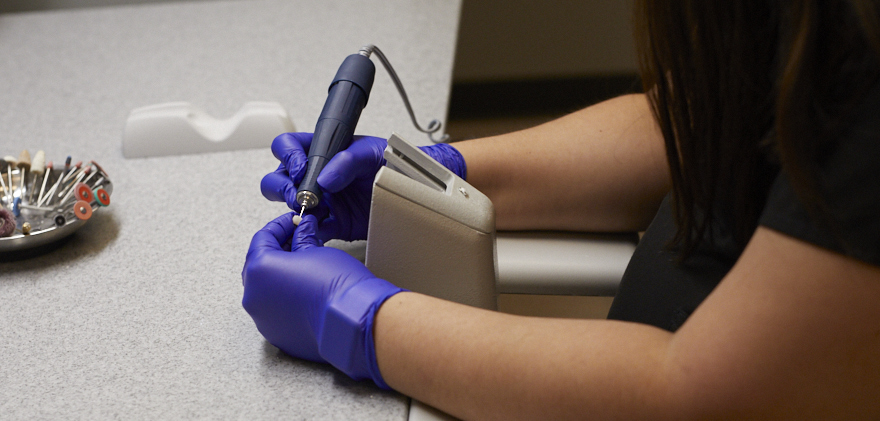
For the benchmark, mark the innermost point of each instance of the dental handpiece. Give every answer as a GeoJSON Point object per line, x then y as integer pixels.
{"type": "Point", "coordinates": [348, 95]}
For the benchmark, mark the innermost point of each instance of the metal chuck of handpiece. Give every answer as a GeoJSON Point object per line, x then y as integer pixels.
{"type": "Point", "coordinates": [347, 97]}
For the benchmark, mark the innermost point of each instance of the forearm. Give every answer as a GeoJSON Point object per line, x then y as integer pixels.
{"type": "Point", "coordinates": [478, 364]}
{"type": "Point", "coordinates": [600, 169]}
{"type": "Point", "coordinates": [759, 347]}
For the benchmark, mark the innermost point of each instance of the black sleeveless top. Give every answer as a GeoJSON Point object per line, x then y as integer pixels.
{"type": "Point", "coordinates": [659, 291]}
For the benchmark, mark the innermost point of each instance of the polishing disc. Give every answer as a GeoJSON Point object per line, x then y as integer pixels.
{"type": "Point", "coordinates": [99, 168]}
{"type": "Point", "coordinates": [82, 192]}
{"type": "Point", "coordinates": [103, 197]}
{"type": "Point", "coordinates": [82, 210]}
{"type": "Point", "coordinates": [7, 223]}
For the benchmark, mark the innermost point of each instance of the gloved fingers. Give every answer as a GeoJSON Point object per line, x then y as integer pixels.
{"type": "Point", "coordinates": [290, 149]}
{"type": "Point", "coordinates": [347, 221]}
{"type": "Point", "coordinates": [274, 235]}
{"type": "Point", "coordinates": [276, 186]}
{"type": "Point", "coordinates": [305, 236]}
{"type": "Point", "coordinates": [328, 229]}
{"type": "Point", "coordinates": [361, 159]}
{"type": "Point", "coordinates": [447, 156]}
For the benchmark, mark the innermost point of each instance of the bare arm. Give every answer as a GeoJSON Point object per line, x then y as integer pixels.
{"type": "Point", "coordinates": [600, 169]}
{"type": "Point", "coordinates": [792, 332]}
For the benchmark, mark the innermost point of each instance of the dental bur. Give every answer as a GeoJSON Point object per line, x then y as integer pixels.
{"type": "Point", "coordinates": [3, 181]}
{"type": "Point", "coordinates": [24, 164]}
{"type": "Point", "coordinates": [38, 168]}
{"type": "Point", "coordinates": [45, 179]}
{"type": "Point", "coordinates": [50, 194]}
{"type": "Point", "coordinates": [10, 165]}
{"type": "Point", "coordinates": [70, 189]}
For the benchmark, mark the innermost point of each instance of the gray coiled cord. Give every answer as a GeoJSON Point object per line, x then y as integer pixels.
{"type": "Point", "coordinates": [433, 126]}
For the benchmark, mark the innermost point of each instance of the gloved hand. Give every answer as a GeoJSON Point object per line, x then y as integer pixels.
{"type": "Point", "coordinates": [313, 302]}
{"type": "Point", "coordinates": [346, 180]}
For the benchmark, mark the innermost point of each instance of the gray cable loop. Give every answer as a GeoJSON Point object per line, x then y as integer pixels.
{"type": "Point", "coordinates": [434, 125]}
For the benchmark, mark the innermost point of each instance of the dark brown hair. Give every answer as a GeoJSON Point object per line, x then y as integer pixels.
{"type": "Point", "coordinates": [740, 88]}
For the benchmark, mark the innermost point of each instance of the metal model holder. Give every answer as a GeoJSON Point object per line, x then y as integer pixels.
{"type": "Point", "coordinates": [51, 204]}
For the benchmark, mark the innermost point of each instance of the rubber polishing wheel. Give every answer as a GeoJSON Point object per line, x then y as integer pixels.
{"type": "Point", "coordinates": [83, 192]}
{"type": "Point", "coordinates": [103, 197]}
{"type": "Point", "coordinates": [7, 223]}
{"type": "Point", "coordinates": [82, 210]}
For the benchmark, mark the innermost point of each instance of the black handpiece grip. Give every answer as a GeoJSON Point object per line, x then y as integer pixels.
{"type": "Point", "coordinates": [348, 95]}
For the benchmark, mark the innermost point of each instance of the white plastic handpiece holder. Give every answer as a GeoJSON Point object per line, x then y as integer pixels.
{"type": "Point", "coordinates": [178, 128]}
{"type": "Point", "coordinates": [430, 231]}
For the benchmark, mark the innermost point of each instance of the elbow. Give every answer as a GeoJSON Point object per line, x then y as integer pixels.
{"type": "Point", "coordinates": [701, 392]}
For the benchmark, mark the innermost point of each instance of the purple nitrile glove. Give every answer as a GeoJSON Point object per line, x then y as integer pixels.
{"type": "Point", "coordinates": [346, 181]}
{"type": "Point", "coordinates": [313, 302]}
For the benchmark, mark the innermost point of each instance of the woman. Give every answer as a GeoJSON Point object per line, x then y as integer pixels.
{"type": "Point", "coordinates": [753, 294]}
